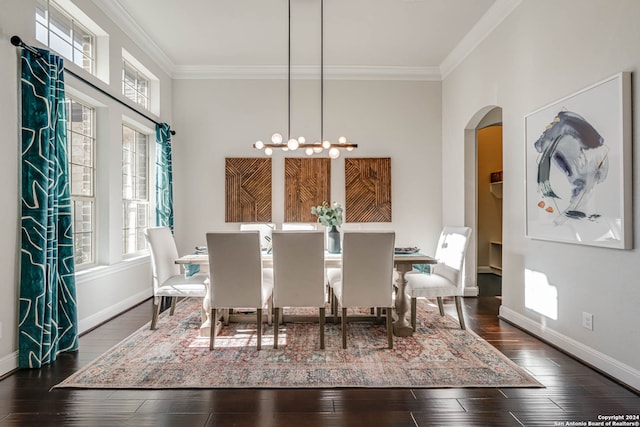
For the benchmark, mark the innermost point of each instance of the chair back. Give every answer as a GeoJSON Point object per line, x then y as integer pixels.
{"type": "Point", "coordinates": [450, 253]}
{"type": "Point", "coordinates": [265, 232]}
{"type": "Point", "coordinates": [298, 268]}
{"type": "Point", "coordinates": [235, 269]}
{"type": "Point", "coordinates": [367, 268]}
{"type": "Point", "coordinates": [163, 251]}
{"type": "Point", "coordinates": [299, 226]}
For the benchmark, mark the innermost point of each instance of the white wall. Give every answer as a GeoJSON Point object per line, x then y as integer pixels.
{"type": "Point", "coordinates": [116, 284]}
{"type": "Point", "coordinates": [544, 51]}
{"type": "Point", "coordinates": [223, 118]}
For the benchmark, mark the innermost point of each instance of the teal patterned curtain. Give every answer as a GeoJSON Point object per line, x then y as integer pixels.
{"type": "Point", "coordinates": [164, 177]}
{"type": "Point", "coordinates": [48, 323]}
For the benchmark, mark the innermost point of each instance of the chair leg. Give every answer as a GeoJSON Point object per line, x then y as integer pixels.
{"type": "Point", "coordinates": [154, 315]}
{"type": "Point", "coordinates": [174, 300]}
{"type": "Point", "coordinates": [270, 310]}
{"type": "Point", "coordinates": [214, 320]}
{"type": "Point", "coordinates": [414, 308]}
{"type": "Point", "coordinates": [276, 326]}
{"type": "Point", "coordinates": [378, 314]}
{"type": "Point", "coordinates": [322, 314]}
{"type": "Point", "coordinates": [334, 309]}
{"type": "Point", "coordinates": [259, 343]}
{"type": "Point", "coordinates": [459, 309]}
{"type": "Point", "coordinates": [389, 328]}
{"type": "Point", "coordinates": [440, 306]}
{"type": "Point", "coordinates": [344, 327]}
{"type": "Point", "coordinates": [225, 316]}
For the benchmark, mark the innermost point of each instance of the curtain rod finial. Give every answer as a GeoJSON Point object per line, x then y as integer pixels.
{"type": "Point", "coordinates": [16, 41]}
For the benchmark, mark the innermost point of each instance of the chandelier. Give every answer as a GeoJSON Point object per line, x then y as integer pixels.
{"type": "Point", "coordinates": [300, 143]}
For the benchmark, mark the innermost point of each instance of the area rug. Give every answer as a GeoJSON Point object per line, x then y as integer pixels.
{"type": "Point", "coordinates": [439, 354]}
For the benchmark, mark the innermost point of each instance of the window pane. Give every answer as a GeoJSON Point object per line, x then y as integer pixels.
{"type": "Point", "coordinates": [81, 141]}
{"type": "Point", "coordinates": [60, 46]}
{"type": "Point", "coordinates": [129, 91]}
{"type": "Point", "coordinates": [128, 136]}
{"type": "Point", "coordinates": [60, 25]}
{"type": "Point", "coordinates": [41, 13]}
{"type": "Point", "coordinates": [82, 231]}
{"type": "Point", "coordinates": [81, 150]}
{"type": "Point", "coordinates": [82, 216]}
{"type": "Point", "coordinates": [134, 189]}
{"type": "Point", "coordinates": [141, 241]}
{"type": "Point", "coordinates": [42, 34]}
{"type": "Point", "coordinates": [81, 180]}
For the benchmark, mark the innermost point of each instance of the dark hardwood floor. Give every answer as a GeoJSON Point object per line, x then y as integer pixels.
{"type": "Point", "coordinates": [573, 393]}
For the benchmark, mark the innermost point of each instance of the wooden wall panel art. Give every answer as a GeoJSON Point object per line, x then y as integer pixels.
{"type": "Point", "coordinates": [368, 189]}
{"type": "Point", "coordinates": [307, 183]}
{"type": "Point", "coordinates": [248, 190]}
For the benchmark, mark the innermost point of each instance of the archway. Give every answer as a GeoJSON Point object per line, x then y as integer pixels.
{"type": "Point", "coordinates": [489, 117]}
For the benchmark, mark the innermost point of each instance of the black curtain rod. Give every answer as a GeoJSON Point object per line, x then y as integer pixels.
{"type": "Point", "coordinates": [17, 41]}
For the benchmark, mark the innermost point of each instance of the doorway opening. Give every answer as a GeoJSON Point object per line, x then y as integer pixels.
{"type": "Point", "coordinates": [489, 209]}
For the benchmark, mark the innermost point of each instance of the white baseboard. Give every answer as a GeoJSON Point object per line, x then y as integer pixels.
{"type": "Point", "coordinates": [616, 369]}
{"type": "Point", "coordinates": [102, 316]}
{"type": "Point", "coordinates": [9, 363]}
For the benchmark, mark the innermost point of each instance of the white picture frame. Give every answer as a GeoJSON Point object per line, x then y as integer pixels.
{"type": "Point", "coordinates": [578, 167]}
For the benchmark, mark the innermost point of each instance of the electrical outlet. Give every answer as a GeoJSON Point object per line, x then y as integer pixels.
{"type": "Point", "coordinates": [587, 320]}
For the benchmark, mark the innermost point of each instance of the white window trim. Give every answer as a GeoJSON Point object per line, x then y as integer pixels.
{"type": "Point", "coordinates": [151, 179]}
{"type": "Point", "coordinates": [154, 82]}
{"type": "Point", "coordinates": [88, 102]}
{"type": "Point", "coordinates": [101, 42]}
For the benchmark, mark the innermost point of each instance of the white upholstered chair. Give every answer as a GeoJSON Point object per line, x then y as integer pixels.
{"type": "Point", "coordinates": [365, 279]}
{"type": "Point", "coordinates": [237, 277]}
{"type": "Point", "coordinates": [265, 232]}
{"type": "Point", "coordinates": [167, 279]}
{"type": "Point", "coordinates": [445, 279]}
{"type": "Point", "coordinates": [298, 274]}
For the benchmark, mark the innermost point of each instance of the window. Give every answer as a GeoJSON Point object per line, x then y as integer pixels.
{"type": "Point", "coordinates": [135, 197]}
{"type": "Point", "coordinates": [58, 30]}
{"type": "Point", "coordinates": [81, 145]}
{"type": "Point", "coordinates": [135, 85]}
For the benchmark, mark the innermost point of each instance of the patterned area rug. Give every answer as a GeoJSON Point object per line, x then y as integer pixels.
{"type": "Point", "coordinates": [173, 356]}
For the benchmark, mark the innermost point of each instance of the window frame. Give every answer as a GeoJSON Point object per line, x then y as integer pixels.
{"type": "Point", "coordinates": [139, 77]}
{"type": "Point", "coordinates": [75, 26]}
{"type": "Point", "coordinates": [147, 201]}
{"type": "Point", "coordinates": [93, 168]}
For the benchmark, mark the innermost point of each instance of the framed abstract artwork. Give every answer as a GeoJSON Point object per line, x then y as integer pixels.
{"type": "Point", "coordinates": [307, 183]}
{"type": "Point", "coordinates": [247, 189]}
{"type": "Point", "coordinates": [368, 189]}
{"type": "Point", "coordinates": [578, 167]}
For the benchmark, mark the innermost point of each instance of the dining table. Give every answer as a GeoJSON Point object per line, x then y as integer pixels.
{"type": "Point", "coordinates": [403, 263]}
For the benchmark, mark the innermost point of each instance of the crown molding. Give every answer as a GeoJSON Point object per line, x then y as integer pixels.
{"type": "Point", "coordinates": [278, 72]}
{"type": "Point", "coordinates": [485, 26]}
{"type": "Point", "coordinates": [117, 13]}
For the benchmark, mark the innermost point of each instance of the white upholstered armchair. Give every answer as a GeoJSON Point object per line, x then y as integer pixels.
{"type": "Point", "coordinates": [445, 279]}
{"type": "Point", "coordinates": [167, 279]}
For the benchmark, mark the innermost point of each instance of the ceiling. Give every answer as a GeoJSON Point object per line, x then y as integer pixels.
{"type": "Point", "coordinates": [419, 38]}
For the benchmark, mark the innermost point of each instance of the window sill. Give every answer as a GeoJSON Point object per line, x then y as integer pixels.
{"type": "Point", "coordinates": [99, 271]}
